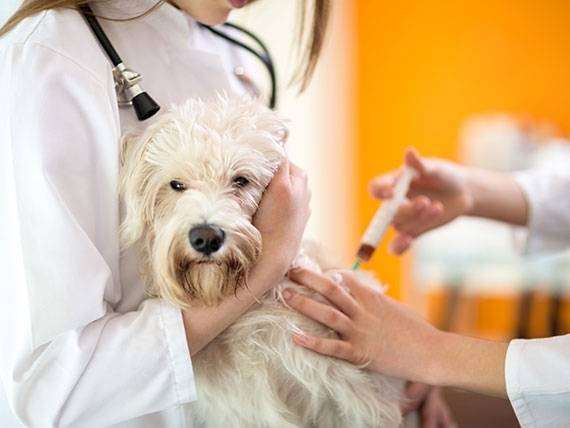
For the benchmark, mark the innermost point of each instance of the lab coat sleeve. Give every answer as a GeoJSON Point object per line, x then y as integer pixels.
{"type": "Point", "coordinates": [548, 196]}
{"type": "Point", "coordinates": [67, 359]}
{"type": "Point", "coordinates": [537, 375]}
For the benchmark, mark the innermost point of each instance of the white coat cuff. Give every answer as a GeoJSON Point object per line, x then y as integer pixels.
{"type": "Point", "coordinates": [181, 363]}
{"type": "Point", "coordinates": [513, 383]}
{"type": "Point", "coordinates": [536, 376]}
{"type": "Point", "coordinates": [545, 194]}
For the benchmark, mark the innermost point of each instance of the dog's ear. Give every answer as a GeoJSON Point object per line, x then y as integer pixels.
{"type": "Point", "coordinates": [131, 191]}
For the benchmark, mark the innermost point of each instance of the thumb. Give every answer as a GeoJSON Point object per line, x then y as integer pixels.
{"type": "Point", "coordinates": [282, 173]}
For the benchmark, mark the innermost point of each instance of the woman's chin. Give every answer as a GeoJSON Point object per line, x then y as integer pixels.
{"type": "Point", "coordinates": [213, 17]}
{"type": "Point", "coordinates": [209, 12]}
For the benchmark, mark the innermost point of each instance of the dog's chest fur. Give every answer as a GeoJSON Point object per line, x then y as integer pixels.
{"type": "Point", "coordinates": [253, 375]}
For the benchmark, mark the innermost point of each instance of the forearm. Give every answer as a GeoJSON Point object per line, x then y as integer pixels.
{"type": "Point", "coordinates": [497, 196]}
{"type": "Point", "coordinates": [203, 324]}
{"type": "Point", "coordinates": [468, 363]}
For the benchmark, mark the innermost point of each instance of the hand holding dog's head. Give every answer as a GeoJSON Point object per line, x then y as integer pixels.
{"type": "Point", "coordinates": [191, 184]}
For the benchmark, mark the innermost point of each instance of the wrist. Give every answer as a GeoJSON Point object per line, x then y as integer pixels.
{"type": "Point", "coordinates": [266, 273]}
{"type": "Point", "coordinates": [496, 196]}
{"type": "Point", "coordinates": [475, 192]}
{"type": "Point", "coordinates": [441, 370]}
{"type": "Point", "coordinates": [437, 366]}
{"type": "Point", "coordinates": [468, 363]}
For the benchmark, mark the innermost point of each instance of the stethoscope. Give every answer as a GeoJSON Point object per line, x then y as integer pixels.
{"type": "Point", "coordinates": [127, 81]}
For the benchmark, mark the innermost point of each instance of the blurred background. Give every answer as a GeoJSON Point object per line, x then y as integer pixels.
{"type": "Point", "coordinates": [480, 82]}
{"type": "Point", "coordinates": [486, 83]}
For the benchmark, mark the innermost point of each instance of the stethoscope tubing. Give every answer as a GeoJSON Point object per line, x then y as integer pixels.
{"type": "Point", "coordinates": [264, 57]}
{"type": "Point", "coordinates": [100, 34]}
{"type": "Point", "coordinates": [127, 81]}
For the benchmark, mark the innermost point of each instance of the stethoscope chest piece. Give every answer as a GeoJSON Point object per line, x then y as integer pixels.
{"type": "Point", "coordinates": [126, 83]}
{"type": "Point", "coordinates": [130, 94]}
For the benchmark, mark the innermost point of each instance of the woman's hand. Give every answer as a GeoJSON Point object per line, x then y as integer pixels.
{"type": "Point", "coordinates": [375, 331]}
{"type": "Point", "coordinates": [385, 336]}
{"type": "Point", "coordinates": [282, 216]}
{"type": "Point", "coordinates": [443, 191]}
{"type": "Point", "coordinates": [439, 194]}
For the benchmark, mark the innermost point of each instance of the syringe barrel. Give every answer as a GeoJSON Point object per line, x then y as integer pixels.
{"type": "Point", "coordinates": [386, 212]}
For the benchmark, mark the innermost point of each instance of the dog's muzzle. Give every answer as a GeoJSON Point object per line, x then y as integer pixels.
{"type": "Point", "coordinates": [206, 238]}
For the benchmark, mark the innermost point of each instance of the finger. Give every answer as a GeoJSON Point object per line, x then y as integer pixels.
{"type": "Point", "coordinates": [410, 211]}
{"type": "Point", "coordinates": [422, 221]}
{"type": "Point", "coordinates": [414, 396]}
{"type": "Point", "coordinates": [413, 159]}
{"type": "Point", "coordinates": [284, 168]}
{"type": "Point", "coordinates": [330, 347]}
{"type": "Point", "coordinates": [446, 419]}
{"type": "Point", "coordinates": [326, 315]}
{"type": "Point", "coordinates": [382, 187]}
{"type": "Point", "coordinates": [429, 414]}
{"type": "Point", "coordinates": [416, 216]}
{"type": "Point", "coordinates": [297, 171]}
{"type": "Point", "coordinates": [435, 412]}
{"type": "Point", "coordinates": [328, 288]}
{"type": "Point", "coordinates": [436, 209]}
{"type": "Point", "coordinates": [356, 287]}
{"type": "Point", "coordinates": [429, 420]}
{"type": "Point", "coordinates": [401, 243]}
{"type": "Point", "coordinates": [417, 391]}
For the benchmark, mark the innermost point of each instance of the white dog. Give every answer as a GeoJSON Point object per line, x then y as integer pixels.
{"type": "Point", "coordinates": [191, 183]}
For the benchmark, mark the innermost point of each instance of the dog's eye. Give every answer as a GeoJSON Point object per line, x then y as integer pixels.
{"type": "Point", "coordinates": [241, 181]}
{"type": "Point", "coordinates": [177, 186]}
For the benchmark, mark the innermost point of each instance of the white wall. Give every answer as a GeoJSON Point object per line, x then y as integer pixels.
{"type": "Point", "coordinates": [7, 7]}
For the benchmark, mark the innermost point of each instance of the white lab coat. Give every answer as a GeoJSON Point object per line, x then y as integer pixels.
{"type": "Point", "coordinates": [79, 344]}
{"type": "Point", "coordinates": [537, 372]}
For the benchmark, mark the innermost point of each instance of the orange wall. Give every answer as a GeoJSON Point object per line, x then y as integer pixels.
{"type": "Point", "coordinates": [425, 65]}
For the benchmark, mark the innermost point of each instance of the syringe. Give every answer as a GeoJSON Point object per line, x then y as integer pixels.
{"type": "Point", "coordinates": [383, 218]}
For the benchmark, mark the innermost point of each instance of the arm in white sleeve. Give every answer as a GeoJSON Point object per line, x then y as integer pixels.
{"type": "Point", "coordinates": [548, 196]}
{"type": "Point", "coordinates": [67, 359]}
{"type": "Point", "coordinates": [537, 371]}
{"type": "Point", "coordinates": [537, 375]}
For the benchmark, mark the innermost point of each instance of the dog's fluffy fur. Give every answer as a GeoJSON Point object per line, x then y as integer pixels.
{"type": "Point", "coordinates": [252, 375]}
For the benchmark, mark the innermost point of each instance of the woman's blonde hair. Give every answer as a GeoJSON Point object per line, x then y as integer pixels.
{"type": "Point", "coordinates": [309, 54]}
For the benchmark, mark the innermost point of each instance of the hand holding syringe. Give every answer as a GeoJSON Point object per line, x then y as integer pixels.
{"type": "Point", "coordinates": [383, 218]}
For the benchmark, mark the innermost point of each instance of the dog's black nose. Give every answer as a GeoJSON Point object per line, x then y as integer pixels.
{"type": "Point", "coordinates": [206, 239]}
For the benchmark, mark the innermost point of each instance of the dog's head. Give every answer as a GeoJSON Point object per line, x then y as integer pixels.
{"type": "Point", "coordinates": [191, 184]}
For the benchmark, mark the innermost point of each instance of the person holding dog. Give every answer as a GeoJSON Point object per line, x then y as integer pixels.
{"type": "Point", "coordinates": [376, 331]}
{"type": "Point", "coordinates": [80, 343]}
